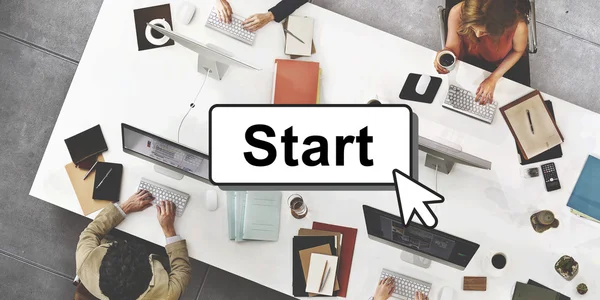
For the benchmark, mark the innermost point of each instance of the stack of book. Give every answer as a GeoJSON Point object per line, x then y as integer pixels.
{"type": "Point", "coordinates": [253, 215]}
{"type": "Point", "coordinates": [584, 200]}
{"type": "Point", "coordinates": [322, 259]}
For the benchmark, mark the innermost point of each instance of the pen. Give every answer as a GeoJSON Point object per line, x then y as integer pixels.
{"type": "Point", "coordinates": [290, 33]}
{"type": "Point", "coordinates": [99, 184]}
{"type": "Point", "coordinates": [324, 277]}
{"type": "Point", "coordinates": [90, 171]}
{"type": "Point", "coordinates": [530, 123]}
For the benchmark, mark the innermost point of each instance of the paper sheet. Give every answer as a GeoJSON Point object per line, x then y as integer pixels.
{"type": "Point", "coordinates": [315, 274]}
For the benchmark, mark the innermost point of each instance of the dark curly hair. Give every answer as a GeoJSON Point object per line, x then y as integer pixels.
{"type": "Point", "coordinates": [125, 271]}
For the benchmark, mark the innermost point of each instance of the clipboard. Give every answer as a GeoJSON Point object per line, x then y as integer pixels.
{"type": "Point", "coordinates": [548, 125]}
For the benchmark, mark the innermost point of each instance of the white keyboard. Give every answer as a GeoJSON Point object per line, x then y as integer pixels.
{"type": "Point", "coordinates": [161, 192]}
{"type": "Point", "coordinates": [233, 29]}
{"type": "Point", "coordinates": [463, 101]}
{"type": "Point", "coordinates": [405, 286]}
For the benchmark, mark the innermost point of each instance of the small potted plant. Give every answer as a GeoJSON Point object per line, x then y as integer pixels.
{"type": "Point", "coordinates": [567, 267]}
{"type": "Point", "coordinates": [582, 288]}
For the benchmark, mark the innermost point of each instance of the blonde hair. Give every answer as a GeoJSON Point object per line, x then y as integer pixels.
{"type": "Point", "coordinates": [496, 16]}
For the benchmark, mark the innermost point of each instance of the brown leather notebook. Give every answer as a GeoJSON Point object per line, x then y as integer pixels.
{"type": "Point", "coordinates": [532, 125]}
{"type": "Point", "coordinates": [475, 283]}
{"type": "Point", "coordinates": [305, 260]}
{"type": "Point", "coordinates": [85, 188]}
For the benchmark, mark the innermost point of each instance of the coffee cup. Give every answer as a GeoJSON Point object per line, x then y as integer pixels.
{"type": "Point", "coordinates": [374, 102]}
{"type": "Point", "coordinates": [545, 217]}
{"type": "Point", "coordinates": [446, 59]}
{"type": "Point", "coordinates": [495, 264]}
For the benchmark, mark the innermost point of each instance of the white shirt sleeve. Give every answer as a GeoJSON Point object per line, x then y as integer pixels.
{"type": "Point", "coordinates": [120, 210]}
{"type": "Point", "coordinates": [173, 239]}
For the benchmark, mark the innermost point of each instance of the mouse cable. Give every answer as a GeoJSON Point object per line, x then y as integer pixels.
{"type": "Point", "coordinates": [192, 105]}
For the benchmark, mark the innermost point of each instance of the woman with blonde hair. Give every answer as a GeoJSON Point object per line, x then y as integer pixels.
{"type": "Point", "coordinates": [491, 34]}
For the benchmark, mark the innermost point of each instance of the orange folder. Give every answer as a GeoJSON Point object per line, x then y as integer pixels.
{"type": "Point", "coordinates": [295, 82]}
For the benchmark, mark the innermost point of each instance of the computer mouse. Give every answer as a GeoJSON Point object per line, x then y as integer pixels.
{"type": "Point", "coordinates": [423, 84]}
{"type": "Point", "coordinates": [447, 293]}
{"type": "Point", "coordinates": [185, 12]}
{"type": "Point", "coordinates": [211, 201]}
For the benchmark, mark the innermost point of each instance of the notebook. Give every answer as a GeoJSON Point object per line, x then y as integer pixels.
{"type": "Point", "coordinates": [560, 296]}
{"type": "Point", "coordinates": [295, 82]}
{"type": "Point", "coordinates": [261, 216]}
{"type": "Point", "coordinates": [584, 200]}
{"type": "Point", "coordinates": [305, 256]}
{"type": "Point", "coordinates": [530, 123]}
{"type": "Point", "coordinates": [300, 243]}
{"type": "Point", "coordinates": [107, 186]}
{"type": "Point", "coordinates": [553, 153]}
{"type": "Point", "coordinates": [303, 28]}
{"type": "Point", "coordinates": [531, 292]}
{"type": "Point", "coordinates": [84, 188]}
{"type": "Point", "coordinates": [321, 273]}
{"type": "Point", "coordinates": [345, 264]}
{"type": "Point", "coordinates": [86, 144]}
{"type": "Point", "coordinates": [314, 232]}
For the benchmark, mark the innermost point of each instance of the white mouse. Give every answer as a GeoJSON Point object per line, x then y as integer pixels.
{"type": "Point", "coordinates": [423, 84]}
{"type": "Point", "coordinates": [447, 293]}
{"type": "Point", "coordinates": [212, 201]}
{"type": "Point", "coordinates": [185, 12]}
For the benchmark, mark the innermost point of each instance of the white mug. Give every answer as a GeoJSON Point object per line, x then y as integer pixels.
{"type": "Point", "coordinates": [447, 60]}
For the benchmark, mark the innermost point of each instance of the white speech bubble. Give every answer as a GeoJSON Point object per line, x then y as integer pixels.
{"type": "Point", "coordinates": [390, 126]}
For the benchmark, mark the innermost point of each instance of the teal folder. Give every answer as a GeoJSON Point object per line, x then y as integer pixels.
{"type": "Point", "coordinates": [253, 215]}
{"type": "Point", "coordinates": [585, 198]}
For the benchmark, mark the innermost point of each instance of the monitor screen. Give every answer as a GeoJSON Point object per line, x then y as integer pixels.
{"type": "Point", "coordinates": [165, 153]}
{"type": "Point", "coordinates": [417, 239]}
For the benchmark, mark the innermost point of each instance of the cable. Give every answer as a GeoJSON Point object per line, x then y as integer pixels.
{"type": "Point", "coordinates": [193, 104]}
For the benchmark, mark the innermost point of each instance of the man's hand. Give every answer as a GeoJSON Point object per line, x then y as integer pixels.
{"type": "Point", "coordinates": [384, 289]}
{"type": "Point", "coordinates": [257, 21]}
{"type": "Point", "coordinates": [166, 217]}
{"type": "Point", "coordinates": [224, 11]}
{"type": "Point", "coordinates": [137, 202]}
{"type": "Point", "coordinates": [420, 296]}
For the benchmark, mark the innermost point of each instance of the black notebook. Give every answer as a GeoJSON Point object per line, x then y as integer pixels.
{"type": "Point", "coordinates": [560, 296]}
{"type": "Point", "coordinates": [532, 292]}
{"type": "Point", "coordinates": [551, 153]}
{"type": "Point", "coordinates": [301, 243]}
{"type": "Point", "coordinates": [107, 186]}
{"type": "Point", "coordinates": [86, 144]}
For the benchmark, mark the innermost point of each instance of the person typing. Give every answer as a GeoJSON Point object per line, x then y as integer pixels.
{"type": "Point", "coordinates": [253, 23]}
{"type": "Point", "coordinates": [385, 289]}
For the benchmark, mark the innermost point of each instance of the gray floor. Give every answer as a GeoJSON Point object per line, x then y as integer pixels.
{"type": "Point", "coordinates": [41, 42]}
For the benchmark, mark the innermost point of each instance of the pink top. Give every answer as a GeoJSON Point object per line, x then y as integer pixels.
{"type": "Point", "coordinates": [488, 49]}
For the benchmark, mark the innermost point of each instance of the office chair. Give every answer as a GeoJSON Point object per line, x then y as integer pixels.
{"type": "Point", "coordinates": [520, 70]}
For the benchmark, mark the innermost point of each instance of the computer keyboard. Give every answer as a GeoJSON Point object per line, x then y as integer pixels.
{"type": "Point", "coordinates": [405, 286]}
{"type": "Point", "coordinates": [162, 192]}
{"type": "Point", "coordinates": [233, 29]}
{"type": "Point", "coordinates": [463, 101]}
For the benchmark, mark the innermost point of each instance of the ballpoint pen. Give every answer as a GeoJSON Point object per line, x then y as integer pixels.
{"type": "Point", "coordinates": [290, 33]}
{"type": "Point", "coordinates": [530, 123]}
{"type": "Point", "coordinates": [90, 171]}
{"type": "Point", "coordinates": [324, 278]}
{"type": "Point", "coordinates": [99, 184]}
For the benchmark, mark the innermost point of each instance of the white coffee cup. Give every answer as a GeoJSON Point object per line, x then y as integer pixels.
{"type": "Point", "coordinates": [447, 60]}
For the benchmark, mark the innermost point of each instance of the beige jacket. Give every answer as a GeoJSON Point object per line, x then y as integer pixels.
{"type": "Point", "coordinates": [90, 252]}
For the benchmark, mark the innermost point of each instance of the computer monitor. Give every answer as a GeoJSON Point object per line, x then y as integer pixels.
{"type": "Point", "coordinates": [211, 59]}
{"type": "Point", "coordinates": [419, 245]}
{"type": "Point", "coordinates": [442, 158]}
{"type": "Point", "coordinates": [169, 158]}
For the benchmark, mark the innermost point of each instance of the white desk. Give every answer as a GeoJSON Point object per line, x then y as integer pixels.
{"type": "Point", "coordinates": [152, 89]}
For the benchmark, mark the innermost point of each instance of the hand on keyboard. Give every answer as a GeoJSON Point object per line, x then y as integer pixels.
{"type": "Point", "coordinates": [421, 296]}
{"type": "Point", "coordinates": [485, 92]}
{"type": "Point", "coordinates": [384, 290]}
{"type": "Point", "coordinates": [166, 217]}
{"type": "Point", "coordinates": [257, 21]}
{"type": "Point", "coordinates": [137, 202]}
{"type": "Point", "coordinates": [224, 11]}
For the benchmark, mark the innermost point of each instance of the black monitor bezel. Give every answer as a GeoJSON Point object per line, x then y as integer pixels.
{"type": "Point", "coordinates": [367, 209]}
{"type": "Point", "coordinates": [157, 162]}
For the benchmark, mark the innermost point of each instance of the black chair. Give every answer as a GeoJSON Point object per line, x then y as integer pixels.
{"type": "Point", "coordinates": [520, 71]}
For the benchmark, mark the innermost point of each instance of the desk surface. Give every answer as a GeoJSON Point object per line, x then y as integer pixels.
{"type": "Point", "coordinates": [152, 89]}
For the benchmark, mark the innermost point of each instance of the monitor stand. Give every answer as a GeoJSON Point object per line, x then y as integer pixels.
{"type": "Point", "coordinates": [215, 69]}
{"type": "Point", "coordinates": [416, 260]}
{"type": "Point", "coordinates": [439, 164]}
{"type": "Point", "coordinates": [167, 172]}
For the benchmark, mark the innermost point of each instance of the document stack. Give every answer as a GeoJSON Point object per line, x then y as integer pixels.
{"type": "Point", "coordinates": [253, 215]}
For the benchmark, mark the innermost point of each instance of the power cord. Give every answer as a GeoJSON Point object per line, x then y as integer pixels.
{"type": "Point", "coordinates": [193, 104]}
